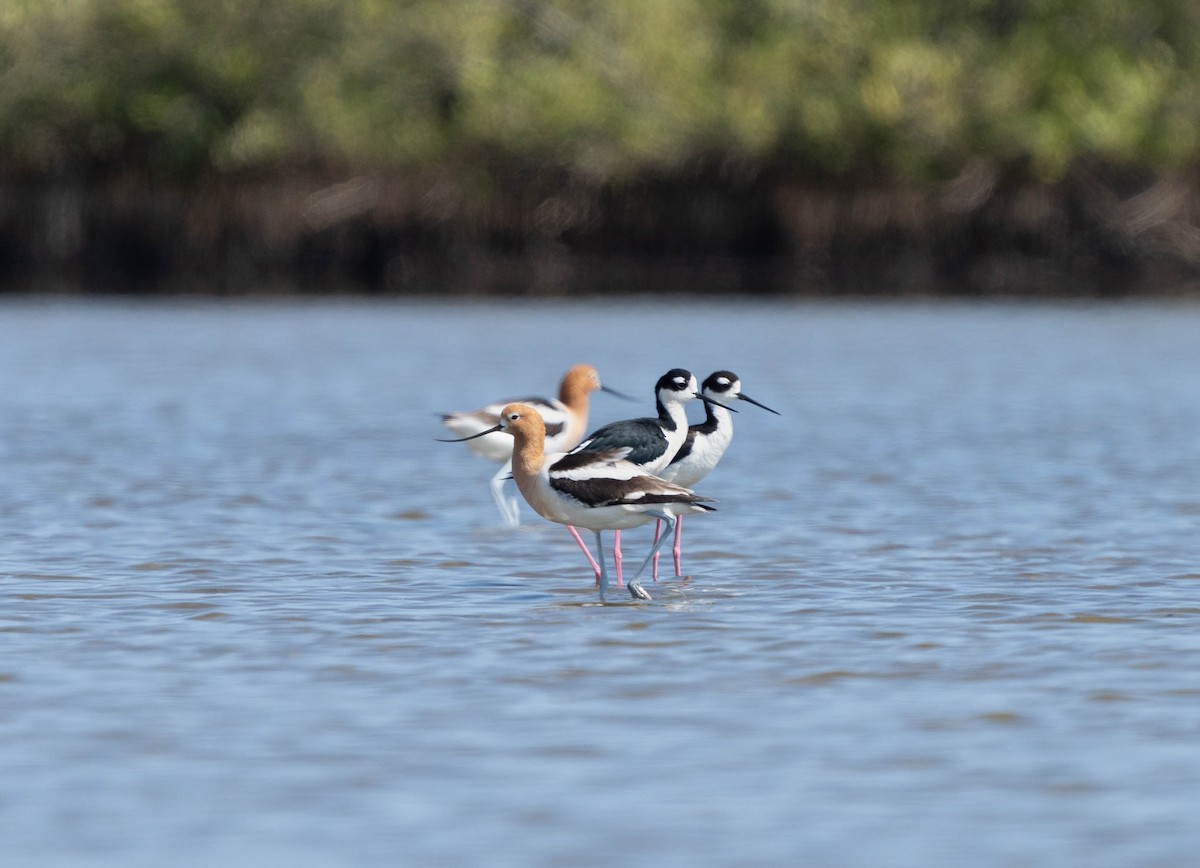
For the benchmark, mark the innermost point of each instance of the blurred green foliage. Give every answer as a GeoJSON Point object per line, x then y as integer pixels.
{"type": "Point", "coordinates": [607, 90]}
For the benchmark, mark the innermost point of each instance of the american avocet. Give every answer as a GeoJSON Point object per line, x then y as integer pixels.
{"type": "Point", "coordinates": [652, 441]}
{"type": "Point", "coordinates": [704, 445]}
{"type": "Point", "coordinates": [599, 490]}
{"type": "Point", "coordinates": [565, 418]}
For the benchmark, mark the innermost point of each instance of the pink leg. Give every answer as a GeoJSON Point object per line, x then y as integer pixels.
{"type": "Point", "coordinates": [678, 550]}
{"type": "Point", "coordinates": [657, 531]}
{"type": "Point", "coordinates": [586, 553]}
{"type": "Point", "coordinates": [617, 556]}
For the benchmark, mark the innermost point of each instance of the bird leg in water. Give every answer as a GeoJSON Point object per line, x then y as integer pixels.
{"type": "Point", "coordinates": [617, 556]}
{"type": "Point", "coordinates": [654, 567]}
{"type": "Point", "coordinates": [587, 554]}
{"type": "Point", "coordinates": [635, 589]}
{"type": "Point", "coordinates": [508, 505]}
{"type": "Point", "coordinates": [603, 572]}
{"type": "Point", "coordinates": [678, 549]}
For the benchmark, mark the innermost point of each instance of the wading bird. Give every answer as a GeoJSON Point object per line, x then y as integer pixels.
{"type": "Point", "coordinates": [598, 489]}
{"type": "Point", "coordinates": [565, 418]}
{"type": "Point", "coordinates": [651, 441]}
{"type": "Point", "coordinates": [704, 446]}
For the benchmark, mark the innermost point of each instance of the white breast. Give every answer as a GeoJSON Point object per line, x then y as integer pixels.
{"type": "Point", "coordinates": [707, 450]}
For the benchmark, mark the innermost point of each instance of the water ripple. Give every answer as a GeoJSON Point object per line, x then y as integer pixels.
{"type": "Point", "coordinates": [254, 613]}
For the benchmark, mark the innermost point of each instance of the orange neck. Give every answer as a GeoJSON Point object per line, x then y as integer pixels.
{"type": "Point", "coordinates": [527, 455]}
{"type": "Point", "coordinates": [528, 448]}
{"type": "Point", "coordinates": [574, 395]}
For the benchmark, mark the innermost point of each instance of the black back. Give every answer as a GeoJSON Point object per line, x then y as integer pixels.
{"type": "Point", "coordinates": [643, 437]}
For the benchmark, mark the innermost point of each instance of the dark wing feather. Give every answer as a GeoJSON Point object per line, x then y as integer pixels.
{"type": "Point", "coordinates": [614, 490]}
{"type": "Point", "coordinates": [532, 402]}
{"type": "Point", "coordinates": [643, 437]}
{"type": "Point", "coordinates": [693, 499]}
{"type": "Point", "coordinates": [590, 492]}
{"type": "Point", "coordinates": [577, 460]}
{"type": "Point", "coordinates": [651, 489]}
{"type": "Point", "coordinates": [581, 475]}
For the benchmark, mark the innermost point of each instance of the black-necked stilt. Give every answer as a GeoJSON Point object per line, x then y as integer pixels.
{"type": "Point", "coordinates": [565, 420]}
{"type": "Point", "coordinates": [704, 445]}
{"type": "Point", "coordinates": [651, 441]}
{"type": "Point", "coordinates": [596, 489]}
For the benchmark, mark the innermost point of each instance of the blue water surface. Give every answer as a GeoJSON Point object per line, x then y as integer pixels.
{"type": "Point", "coordinates": [948, 612]}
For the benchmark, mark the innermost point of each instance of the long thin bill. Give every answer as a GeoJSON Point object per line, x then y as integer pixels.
{"type": "Point", "coordinates": [745, 397]}
{"type": "Point", "coordinates": [614, 392]}
{"type": "Point", "coordinates": [708, 400]}
{"type": "Point", "coordinates": [492, 430]}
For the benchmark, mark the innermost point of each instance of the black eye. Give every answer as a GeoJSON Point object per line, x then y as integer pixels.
{"type": "Point", "coordinates": [514, 417]}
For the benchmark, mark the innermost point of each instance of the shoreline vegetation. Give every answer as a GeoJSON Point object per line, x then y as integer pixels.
{"type": "Point", "coordinates": [497, 147]}
{"type": "Point", "coordinates": [422, 234]}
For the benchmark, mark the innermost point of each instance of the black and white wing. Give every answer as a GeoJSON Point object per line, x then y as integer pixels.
{"type": "Point", "coordinates": [643, 438]}
{"type": "Point", "coordinates": [609, 479]}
